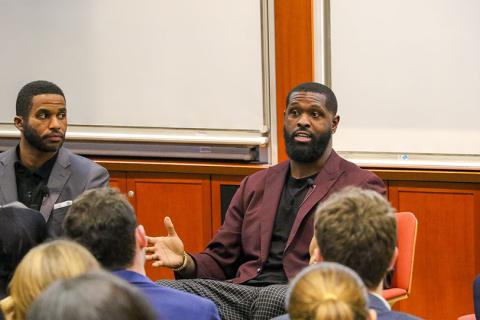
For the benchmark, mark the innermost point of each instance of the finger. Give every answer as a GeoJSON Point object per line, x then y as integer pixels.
{"type": "Point", "coordinates": [152, 240]}
{"type": "Point", "coordinates": [149, 249]}
{"type": "Point", "coordinates": [169, 226]}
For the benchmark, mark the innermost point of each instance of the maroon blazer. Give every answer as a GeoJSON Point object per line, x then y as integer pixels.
{"type": "Point", "coordinates": [240, 247]}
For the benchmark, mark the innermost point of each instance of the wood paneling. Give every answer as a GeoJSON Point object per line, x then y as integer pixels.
{"type": "Point", "coordinates": [447, 246]}
{"type": "Point", "coordinates": [118, 180]}
{"type": "Point", "coordinates": [184, 198]}
{"type": "Point", "coordinates": [293, 53]}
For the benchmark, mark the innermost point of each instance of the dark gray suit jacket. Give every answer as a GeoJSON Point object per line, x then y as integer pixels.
{"type": "Point", "coordinates": [71, 175]}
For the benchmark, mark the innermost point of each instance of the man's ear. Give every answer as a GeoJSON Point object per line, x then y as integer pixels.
{"type": "Point", "coordinates": [18, 122]}
{"type": "Point", "coordinates": [335, 122]}
{"type": "Point", "coordinates": [394, 259]}
{"type": "Point", "coordinates": [140, 236]}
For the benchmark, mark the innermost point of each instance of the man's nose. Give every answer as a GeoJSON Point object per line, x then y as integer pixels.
{"type": "Point", "coordinates": [54, 123]}
{"type": "Point", "coordinates": [303, 121]}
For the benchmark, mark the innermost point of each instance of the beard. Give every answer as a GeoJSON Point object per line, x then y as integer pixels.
{"type": "Point", "coordinates": [306, 152]}
{"type": "Point", "coordinates": [36, 141]}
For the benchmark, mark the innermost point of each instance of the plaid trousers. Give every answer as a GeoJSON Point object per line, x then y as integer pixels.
{"type": "Point", "coordinates": [236, 301]}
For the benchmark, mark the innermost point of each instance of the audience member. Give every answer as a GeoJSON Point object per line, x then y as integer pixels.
{"type": "Point", "coordinates": [103, 221]}
{"type": "Point", "coordinates": [42, 265]}
{"type": "Point", "coordinates": [269, 224]}
{"type": "Point", "coordinates": [357, 228]}
{"type": "Point", "coordinates": [328, 291]}
{"type": "Point", "coordinates": [91, 296]}
{"type": "Point", "coordinates": [39, 172]}
{"type": "Point", "coordinates": [20, 230]}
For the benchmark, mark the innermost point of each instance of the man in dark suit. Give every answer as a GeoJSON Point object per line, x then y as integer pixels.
{"type": "Point", "coordinates": [39, 172]}
{"type": "Point", "coordinates": [269, 224]}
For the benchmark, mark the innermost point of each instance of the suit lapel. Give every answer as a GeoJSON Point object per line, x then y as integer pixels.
{"type": "Point", "coordinates": [8, 187]}
{"type": "Point", "coordinates": [324, 181]}
{"type": "Point", "coordinates": [274, 183]}
{"type": "Point", "coordinates": [58, 177]}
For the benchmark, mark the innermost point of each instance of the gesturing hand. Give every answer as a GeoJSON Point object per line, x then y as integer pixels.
{"type": "Point", "coordinates": [165, 251]}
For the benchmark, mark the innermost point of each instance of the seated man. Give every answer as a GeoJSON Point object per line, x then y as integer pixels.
{"type": "Point", "coordinates": [104, 222]}
{"type": "Point", "coordinates": [39, 172]}
{"type": "Point", "coordinates": [264, 240]}
{"type": "Point", "coordinates": [357, 228]}
{"type": "Point", "coordinates": [20, 230]}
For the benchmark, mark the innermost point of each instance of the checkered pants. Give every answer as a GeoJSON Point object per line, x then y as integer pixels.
{"type": "Point", "coordinates": [236, 301]}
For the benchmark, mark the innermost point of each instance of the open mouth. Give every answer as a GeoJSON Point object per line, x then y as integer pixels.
{"type": "Point", "coordinates": [302, 136]}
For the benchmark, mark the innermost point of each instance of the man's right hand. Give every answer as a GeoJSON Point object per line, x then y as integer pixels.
{"type": "Point", "coordinates": [166, 251]}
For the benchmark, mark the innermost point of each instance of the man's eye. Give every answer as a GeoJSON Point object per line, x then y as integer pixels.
{"type": "Point", "coordinates": [42, 115]}
{"type": "Point", "coordinates": [62, 115]}
{"type": "Point", "coordinates": [293, 112]}
{"type": "Point", "coordinates": [315, 114]}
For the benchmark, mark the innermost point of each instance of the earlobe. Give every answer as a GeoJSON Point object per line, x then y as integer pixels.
{"type": "Point", "coordinates": [140, 236]}
{"type": "Point", "coordinates": [335, 123]}
{"type": "Point", "coordinates": [18, 122]}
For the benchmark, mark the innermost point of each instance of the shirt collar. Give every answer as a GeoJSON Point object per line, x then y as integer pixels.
{"type": "Point", "coordinates": [381, 298]}
{"type": "Point", "coordinates": [44, 171]}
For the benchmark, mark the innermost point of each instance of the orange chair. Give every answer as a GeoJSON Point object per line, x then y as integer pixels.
{"type": "Point", "coordinates": [402, 277]}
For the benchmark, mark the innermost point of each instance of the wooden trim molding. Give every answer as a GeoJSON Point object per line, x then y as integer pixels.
{"type": "Point", "coordinates": [293, 54]}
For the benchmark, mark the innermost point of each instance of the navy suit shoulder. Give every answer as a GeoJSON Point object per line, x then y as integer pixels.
{"type": "Point", "coordinates": [170, 303]}
{"type": "Point", "coordinates": [383, 313]}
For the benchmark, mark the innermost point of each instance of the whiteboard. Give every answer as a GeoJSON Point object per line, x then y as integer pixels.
{"type": "Point", "coordinates": [139, 64]}
{"type": "Point", "coordinates": [406, 75]}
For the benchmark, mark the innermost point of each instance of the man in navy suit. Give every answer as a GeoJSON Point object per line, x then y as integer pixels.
{"type": "Point", "coordinates": [104, 222]}
{"type": "Point", "coordinates": [39, 172]}
{"type": "Point", "coordinates": [357, 228]}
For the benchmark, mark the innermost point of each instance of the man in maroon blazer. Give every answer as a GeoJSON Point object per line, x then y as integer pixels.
{"type": "Point", "coordinates": [268, 227]}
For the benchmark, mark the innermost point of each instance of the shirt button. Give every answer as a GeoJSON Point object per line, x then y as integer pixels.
{"type": "Point", "coordinates": [259, 269]}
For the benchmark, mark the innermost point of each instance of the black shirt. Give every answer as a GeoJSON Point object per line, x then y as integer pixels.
{"type": "Point", "coordinates": [293, 196]}
{"type": "Point", "coordinates": [32, 186]}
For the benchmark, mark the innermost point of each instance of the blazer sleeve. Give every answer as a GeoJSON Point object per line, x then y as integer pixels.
{"type": "Point", "coordinates": [224, 254]}
{"type": "Point", "coordinates": [98, 177]}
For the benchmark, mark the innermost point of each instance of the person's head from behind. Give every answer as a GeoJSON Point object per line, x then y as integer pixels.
{"type": "Point", "coordinates": [44, 264]}
{"type": "Point", "coordinates": [104, 222]}
{"type": "Point", "coordinates": [357, 228]}
{"type": "Point", "coordinates": [41, 115]}
{"type": "Point", "coordinates": [328, 291]}
{"type": "Point", "coordinates": [310, 120]}
{"type": "Point", "coordinates": [20, 230]}
{"type": "Point", "coordinates": [91, 296]}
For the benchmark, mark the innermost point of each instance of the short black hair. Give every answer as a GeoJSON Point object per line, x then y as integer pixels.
{"type": "Point", "coordinates": [104, 222]}
{"type": "Point", "coordinates": [317, 88]}
{"type": "Point", "coordinates": [34, 88]}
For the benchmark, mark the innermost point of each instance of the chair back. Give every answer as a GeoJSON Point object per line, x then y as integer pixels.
{"type": "Point", "coordinates": [406, 238]}
{"type": "Point", "coordinates": [402, 277]}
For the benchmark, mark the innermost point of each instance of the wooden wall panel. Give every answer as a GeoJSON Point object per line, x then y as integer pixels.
{"type": "Point", "coordinates": [293, 54]}
{"type": "Point", "coordinates": [447, 246]}
{"type": "Point", "coordinates": [118, 180]}
{"type": "Point", "coordinates": [185, 198]}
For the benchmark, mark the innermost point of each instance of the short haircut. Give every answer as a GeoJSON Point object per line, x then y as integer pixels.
{"type": "Point", "coordinates": [35, 88]}
{"type": "Point", "coordinates": [358, 229]}
{"type": "Point", "coordinates": [20, 230]}
{"type": "Point", "coordinates": [91, 296]}
{"type": "Point", "coordinates": [327, 291]}
{"type": "Point", "coordinates": [331, 100]}
{"type": "Point", "coordinates": [104, 222]}
{"type": "Point", "coordinates": [59, 259]}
